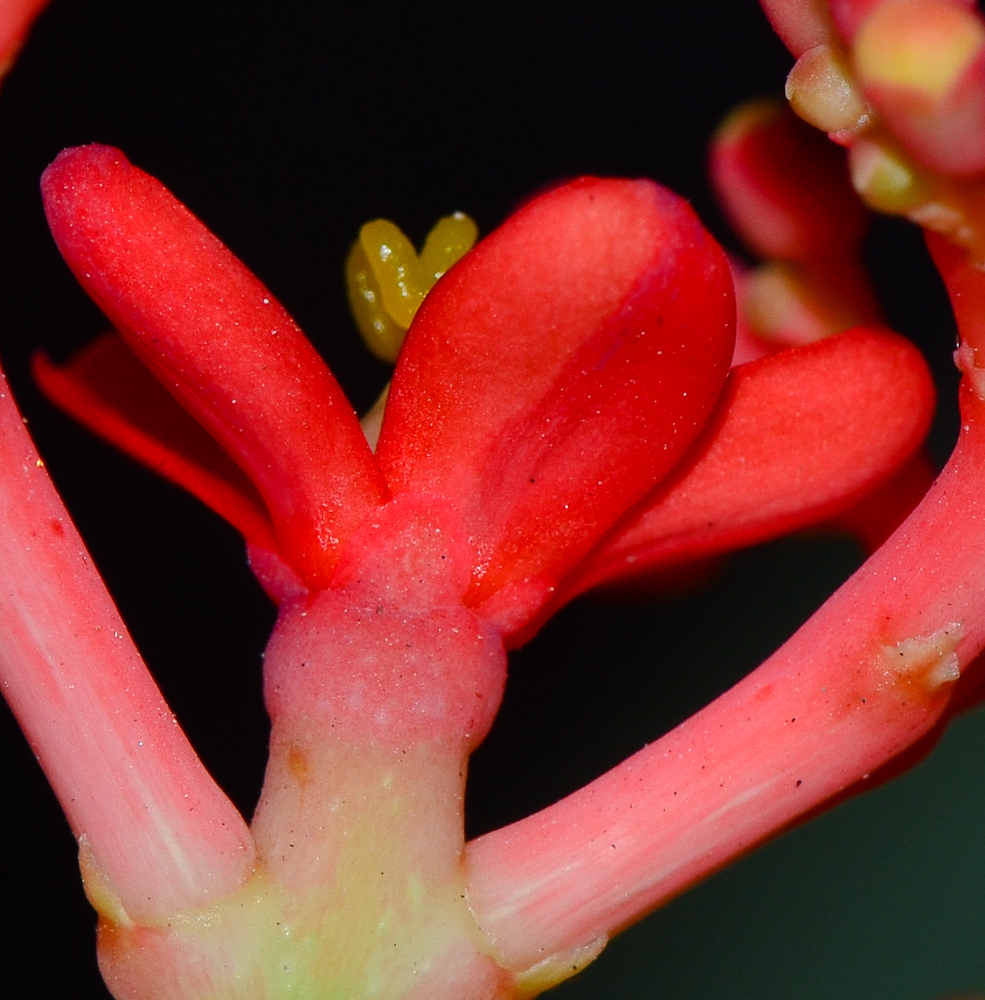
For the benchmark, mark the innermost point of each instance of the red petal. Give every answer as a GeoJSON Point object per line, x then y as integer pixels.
{"type": "Point", "coordinates": [797, 437]}
{"type": "Point", "coordinates": [556, 374]}
{"type": "Point", "coordinates": [15, 20]}
{"type": "Point", "coordinates": [218, 340]}
{"type": "Point", "coordinates": [106, 388]}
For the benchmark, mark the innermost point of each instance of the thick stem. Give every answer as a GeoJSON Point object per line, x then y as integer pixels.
{"type": "Point", "coordinates": [359, 891]}
{"type": "Point", "coordinates": [360, 885]}
{"type": "Point", "coordinates": [368, 842]}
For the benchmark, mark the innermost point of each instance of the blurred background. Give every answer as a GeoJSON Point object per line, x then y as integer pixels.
{"type": "Point", "coordinates": [285, 126]}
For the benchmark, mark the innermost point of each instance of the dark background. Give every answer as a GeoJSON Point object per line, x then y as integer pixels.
{"type": "Point", "coordinates": [285, 127]}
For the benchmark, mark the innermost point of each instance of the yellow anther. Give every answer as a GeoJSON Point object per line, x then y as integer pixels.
{"type": "Point", "coordinates": [387, 280]}
{"type": "Point", "coordinates": [451, 238]}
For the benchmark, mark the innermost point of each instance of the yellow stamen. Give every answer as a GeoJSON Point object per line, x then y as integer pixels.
{"type": "Point", "coordinates": [387, 280]}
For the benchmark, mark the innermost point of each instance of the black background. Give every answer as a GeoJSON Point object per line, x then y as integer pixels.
{"type": "Point", "coordinates": [285, 127]}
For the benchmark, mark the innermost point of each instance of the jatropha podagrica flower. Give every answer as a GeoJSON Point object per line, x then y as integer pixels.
{"type": "Point", "coordinates": [562, 415]}
{"type": "Point", "coordinates": [561, 418]}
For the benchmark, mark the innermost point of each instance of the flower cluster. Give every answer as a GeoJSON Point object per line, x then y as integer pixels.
{"type": "Point", "coordinates": [577, 404]}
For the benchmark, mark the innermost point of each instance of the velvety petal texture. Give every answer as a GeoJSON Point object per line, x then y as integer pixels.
{"type": "Point", "coordinates": [556, 374]}
{"type": "Point", "coordinates": [220, 342]}
{"type": "Point", "coordinates": [782, 451]}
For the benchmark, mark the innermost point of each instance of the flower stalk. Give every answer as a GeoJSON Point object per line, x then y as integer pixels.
{"type": "Point", "coordinates": [155, 832]}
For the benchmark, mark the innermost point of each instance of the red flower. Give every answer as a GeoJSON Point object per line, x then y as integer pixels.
{"type": "Point", "coordinates": [562, 415]}
{"type": "Point", "coordinates": [549, 385]}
